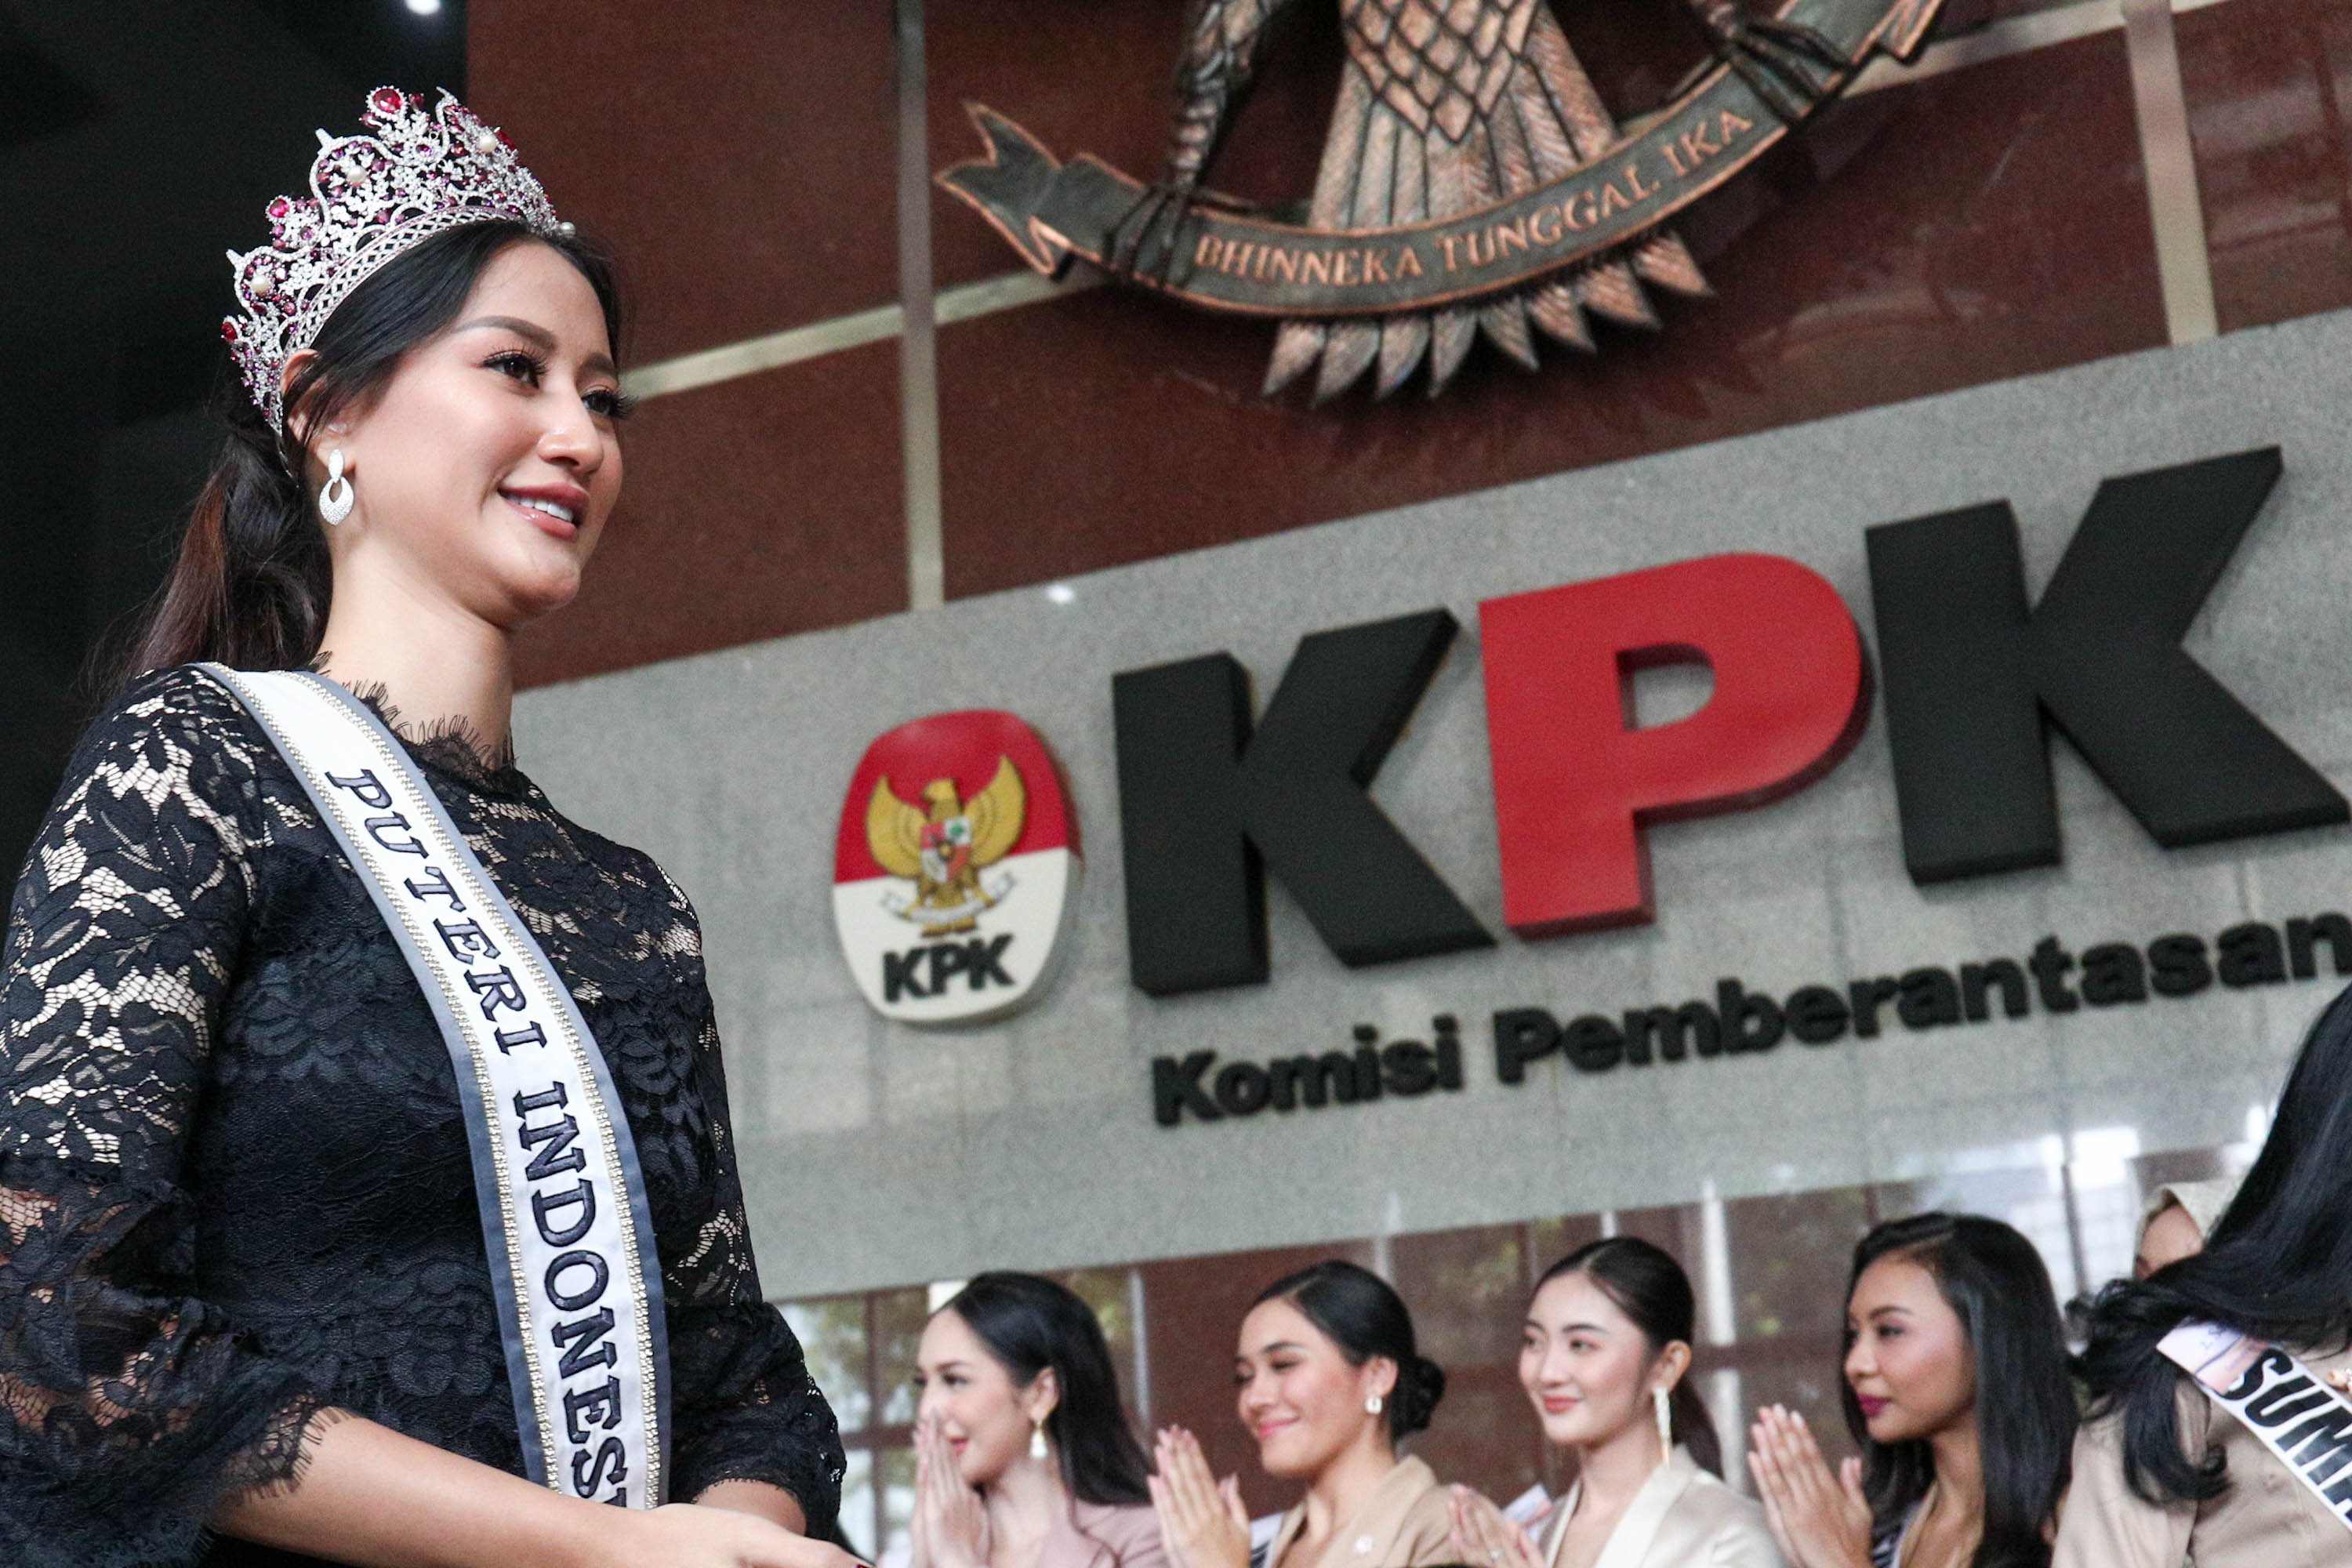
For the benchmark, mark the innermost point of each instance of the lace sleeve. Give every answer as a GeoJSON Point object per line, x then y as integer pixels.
{"type": "Point", "coordinates": [128, 1408]}
{"type": "Point", "coordinates": [745, 1408]}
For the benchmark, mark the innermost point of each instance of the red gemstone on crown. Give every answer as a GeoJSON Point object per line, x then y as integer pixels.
{"type": "Point", "coordinates": [228, 331]}
{"type": "Point", "coordinates": [280, 207]}
{"type": "Point", "coordinates": [388, 100]}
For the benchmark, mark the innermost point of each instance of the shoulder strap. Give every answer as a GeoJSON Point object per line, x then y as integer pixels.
{"type": "Point", "coordinates": [564, 1219]}
{"type": "Point", "coordinates": [2304, 1422]}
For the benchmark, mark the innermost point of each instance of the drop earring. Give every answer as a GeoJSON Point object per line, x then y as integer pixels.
{"type": "Point", "coordinates": [1038, 1450]}
{"type": "Point", "coordinates": [1372, 1406]}
{"type": "Point", "coordinates": [1664, 1410]}
{"type": "Point", "coordinates": [335, 496]}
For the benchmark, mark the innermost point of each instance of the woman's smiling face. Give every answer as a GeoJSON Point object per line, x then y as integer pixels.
{"type": "Point", "coordinates": [966, 1390]}
{"type": "Point", "coordinates": [1298, 1396]}
{"type": "Point", "coordinates": [1908, 1359]}
{"type": "Point", "coordinates": [1584, 1364]}
{"type": "Point", "coordinates": [487, 466]}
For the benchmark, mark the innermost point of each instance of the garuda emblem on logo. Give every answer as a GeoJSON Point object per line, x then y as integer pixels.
{"type": "Point", "coordinates": [944, 846]}
{"type": "Point", "coordinates": [1472, 182]}
{"type": "Point", "coordinates": [952, 906]}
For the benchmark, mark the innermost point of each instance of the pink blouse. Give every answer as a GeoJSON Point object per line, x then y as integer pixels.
{"type": "Point", "coordinates": [1094, 1536]}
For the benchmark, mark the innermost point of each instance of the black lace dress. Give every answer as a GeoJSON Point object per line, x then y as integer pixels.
{"type": "Point", "coordinates": [235, 1187]}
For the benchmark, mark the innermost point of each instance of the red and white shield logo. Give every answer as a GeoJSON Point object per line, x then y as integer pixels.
{"type": "Point", "coordinates": [957, 868]}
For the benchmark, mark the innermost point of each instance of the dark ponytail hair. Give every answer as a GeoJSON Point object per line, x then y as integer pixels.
{"type": "Point", "coordinates": [1651, 1287]}
{"type": "Point", "coordinates": [252, 581]}
{"type": "Point", "coordinates": [1995, 1281]}
{"type": "Point", "coordinates": [1358, 1312]}
{"type": "Point", "coordinates": [2278, 1266]}
{"type": "Point", "coordinates": [1029, 1324]}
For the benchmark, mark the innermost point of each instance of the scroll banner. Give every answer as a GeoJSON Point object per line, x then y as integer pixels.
{"type": "Point", "coordinates": [1239, 263]}
{"type": "Point", "coordinates": [565, 1219]}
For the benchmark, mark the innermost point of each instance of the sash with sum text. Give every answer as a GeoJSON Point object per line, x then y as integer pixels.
{"type": "Point", "coordinates": [2304, 1422]}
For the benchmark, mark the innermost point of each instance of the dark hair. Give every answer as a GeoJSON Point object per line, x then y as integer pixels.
{"type": "Point", "coordinates": [1029, 1324]}
{"type": "Point", "coordinates": [2277, 1266]}
{"type": "Point", "coordinates": [251, 585]}
{"type": "Point", "coordinates": [1995, 1281]}
{"type": "Point", "coordinates": [1359, 1311]}
{"type": "Point", "coordinates": [1651, 1287]}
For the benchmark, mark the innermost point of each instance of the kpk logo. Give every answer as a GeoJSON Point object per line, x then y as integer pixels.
{"type": "Point", "coordinates": [955, 869]}
{"type": "Point", "coordinates": [944, 845]}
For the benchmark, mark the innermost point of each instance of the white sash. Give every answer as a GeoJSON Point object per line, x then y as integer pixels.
{"type": "Point", "coordinates": [2305, 1423]}
{"type": "Point", "coordinates": [571, 1243]}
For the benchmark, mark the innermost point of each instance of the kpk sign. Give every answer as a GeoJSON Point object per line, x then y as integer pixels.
{"type": "Point", "coordinates": [1971, 676]}
{"type": "Point", "coordinates": [1212, 798]}
{"type": "Point", "coordinates": [956, 868]}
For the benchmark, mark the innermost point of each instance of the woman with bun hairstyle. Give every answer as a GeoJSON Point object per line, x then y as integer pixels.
{"type": "Point", "coordinates": [1956, 1392]}
{"type": "Point", "coordinates": [1329, 1382]}
{"type": "Point", "coordinates": [1023, 1456]}
{"type": "Point", "coordinates": [2161, 1468]}
{"type": "Point", "coordinates": [1606, 1362]}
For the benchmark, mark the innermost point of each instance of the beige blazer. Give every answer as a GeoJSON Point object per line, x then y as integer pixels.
{"type": "Point", "coordinates": [1682, 1518]}
{"type": "Point", "coordinates": [1405, 1523]}
{"type": "Point", "coordinates": [1092, 1535]}
{"type": "Point", "coordinates": [2266, 1519]}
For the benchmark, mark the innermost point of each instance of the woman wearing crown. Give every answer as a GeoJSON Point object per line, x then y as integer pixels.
{"type": "Point", "coordinates": [366, 1190]}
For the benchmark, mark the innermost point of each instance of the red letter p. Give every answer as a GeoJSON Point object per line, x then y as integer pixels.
{"type": "Point", "coordinates": [1575, 783]}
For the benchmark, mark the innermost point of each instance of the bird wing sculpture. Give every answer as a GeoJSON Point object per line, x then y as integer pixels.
{"type": "Point", "coordinates": [997, 814]}
{"type": "Point", "coordinates": [1445, 107]}
{"type": "Point", "coordinates": [1212, 77]}
{"type": "Point", "coordinates": [894, 832]}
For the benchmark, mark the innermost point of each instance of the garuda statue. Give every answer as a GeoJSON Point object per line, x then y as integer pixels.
{"type": "Point", "coordinates": [1472, 182]}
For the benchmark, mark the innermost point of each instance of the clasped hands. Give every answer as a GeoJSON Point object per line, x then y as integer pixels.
{"type": "Point", "coordinates": [1203, 1523]}
{"type": "Point", "coordinates": [951, 1523]}
{"type": "Point", "coordinates": [1819, 1519]}
{"type": "Point", "coordinates": [1482, 1533]}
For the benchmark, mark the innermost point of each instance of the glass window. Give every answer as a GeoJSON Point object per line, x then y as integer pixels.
{"type": "Point", "coordinates": [898, 1492]}
{"type": "Point", "coordinates": [833, 1335]}
{"type": "Point", "coordinates": [899, 1319]}
{"type": "Point", "coordinates": [857, 1521]}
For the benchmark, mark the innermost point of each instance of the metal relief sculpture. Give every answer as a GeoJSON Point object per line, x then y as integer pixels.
{"type": "Point", "coordinates": [1472, 182]}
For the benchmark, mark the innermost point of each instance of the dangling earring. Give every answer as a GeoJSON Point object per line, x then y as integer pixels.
{"type": "Point", "coordinates": [1372, 1406]}
{"type": "Point", "coordinates": [1038, 1450]}
{"type": "Point", "coordinates": [335, 496]}
{"type": "Point", "coordinates": [1666, 1414]}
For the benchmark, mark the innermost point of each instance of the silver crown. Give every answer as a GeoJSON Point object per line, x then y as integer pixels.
{"type": "Point", "coordinates": [372, 197]}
